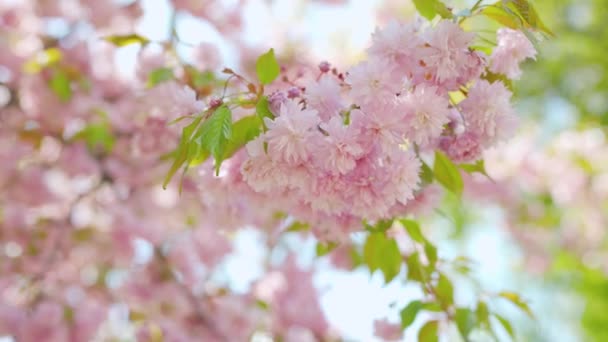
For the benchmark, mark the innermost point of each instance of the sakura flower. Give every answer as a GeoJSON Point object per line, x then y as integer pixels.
{"type": "Point", "coordinates": [447, 54]}
{"type": "Point", "coordinates": [463, 148]}
{"type": "Point", "coordinates": [373, 81]}
{"type": "Point", "coordinates": [487, 111]}
{"type": "Point", "coordinates": [289, 133]}
{"type": "Point", "coordinates": [399, 43]}
{"type": "Point", "coordinates": [171, 100]}
{"type": "Point", "coordinates": [427, 113]}
{"type": "Point", "coordinates": [388, 331]}
{"type": "Point", "coordinates": [338, 152]}
{"type": "Point", "coordinates": [513, 48]}
{"type": "Point", "coordinates": [324, 95]}
{"type": "Point", "coordinates": [206, 56]}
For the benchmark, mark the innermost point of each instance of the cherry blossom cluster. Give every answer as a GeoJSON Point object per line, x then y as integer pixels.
{"type": "Point", "coordinates": [343, 147]}
{"type": "Point", "coordinates": [91, 246]}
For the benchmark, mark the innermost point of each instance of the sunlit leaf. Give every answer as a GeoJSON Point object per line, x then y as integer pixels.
{"type": "Point", "coordinates": [517, 301]}
{"type": "Point", "coordinates": [465, 321]}
{"type": "Point", "coordinates": [381, 252]}
{"type": "Point", "coordinates": [215, 132]}
{"type": "Point", "coordinates": [408, 314]}
{"type": "Point", "coordinates": [429, 332]}
{"type": "Point", "coordinates": [60, 85]}
{"type": "Point", "coordinates": [324, 248]}
{"type": "Point", "coordinates": [445, 290]}
{"type": "Point", "coordinates": [128, 39]}
{"type": "Point", "coordinates": [267, 67]}
{"type": "Point", "coordinates": [447, 174]}
{"type": "Point", "coordinates": [159, 75]}
{"type": "Point", "coordinates": [506, 325]}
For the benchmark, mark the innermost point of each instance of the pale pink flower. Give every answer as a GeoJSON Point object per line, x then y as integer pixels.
{"type": "Point", "coordinates": [513, 48]}
{"type": "Point", "coordinates": [260, 171]}
{"type": "Point", "coordinates": [399, 43]}
{"type": "Point", "coordinates": [339, 150]}
{"type": "Point", "coordinates": [171, 100]}
{"type": "Point", "coordinates": [427, 113]}
{"type": "Point", "coordinates": [289, 133]}
{"type": "Point", "coordinates": [324, 95]}
{"type": "Point", "coordinates": [487, 111]}
{"type": "Point", "coordinates": [382, 126]}
{"type": "Point", "coordinates": [374, 80]}
{"type": "Point", "coordinates": [447, 55]}
{"type": "Point", "coordinates": [387, 331]}
{"type": "Point", "coordinates": [463, 148]}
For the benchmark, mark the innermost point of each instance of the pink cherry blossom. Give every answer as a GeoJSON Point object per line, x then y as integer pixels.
{"type": "Point", "coordinates": [427, 113]}
{"type": "Point", "coordinates": [388, 331]}
{"type": "Point", "coordinates": [513, 48]}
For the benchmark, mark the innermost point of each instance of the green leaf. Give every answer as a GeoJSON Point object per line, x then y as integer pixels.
{"type": "Point", "coordinates": [262, 108]}
{"type": "Point", "coordinates": [267, 67]}
{"type": "Point", "coordinates": [528, 14]}
{"type": "Point", "coordinates": [414, 267]}
{"type": "Point", "coordinates": [430, 8]}
{"type": "Point", "coordinates": [506, 325]}
{"type": "Point", "coordinates": [429, 332]}
{"type": "Point", "coordinates": [517, 301]}
{"type": "Point", "coordinates": [298, 227]}
{"type": "Point", "coordinates": [479, 167]}
{"type": "Point", "coordinates": [381, 252]}
{"type": "Point", "coordinates": [465, 322]}
{"type": "Point", "coordinates": [181, 153]}
{"type": "Point", "coordinates": [408, 314]}
{"type": "Point", "coordinates": [413, 229]}
{"type": "Point", "coordinates": [445, 290]}
{"type": "Point", "coordinates": [324, 248]}
{"type": "Point", "coordinates": [432, 306]}
{"type": "Point", "coordinates": [426, 174]}
{"type": "Point", "coordinates": [243, 131]}
{"type": "Point", "coordinates": [60, 85]}
{"type": "Point", "coordinates": [83, 234]}
{"type": "Point", "coordinates": [215, 132]}
{"type": "Point", "coordinates": [483, 314]}
{"type": "Point", "coordinates": [128, 39]}
{"type": "Point", "coordinates": [431, 253]}
{"type": "Point", "coordinates": [43, 59]}
{"type": "Point", "coordinates": [447, 173]}
{"type": "Point", "coordinates": [97, 136]}
{"type": "Point", "coordinates": [159, 75]}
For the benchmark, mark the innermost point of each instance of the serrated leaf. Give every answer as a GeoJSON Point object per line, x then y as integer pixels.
{"type": "Point", "coordinates": [181, 153]}
{"type": "Point", "coordinates": [506, 325]}
{"type": "Point", "coordinates": [447, 174]}
{"type": "Point", "coordinates": [528, 13]}
{"type": "Point", "coordinates": [267, 67]}
{"type": "Point", "coordinates": [243, 131]}
{"type": "Point", "coordinates": [517, 301]}
{"type": "Point", "coordinates": [159, 75]}
{"type": "Point", "coordinates": [429, 332]}
{"type": "Point", "coordinates": [127, 39]}
{"type": "Point", "coordinates": [60, 85]}
{"type": "Point", "coordinates": [465, 322]}
{"type": "Point", "coordinates": [381, 252]}
{"type": "Point", "coordinates": [445, 290]}
{"type": "Point", "coordinates": [409, 313]}
{"type": "Point", "coordinates": [215, 132]}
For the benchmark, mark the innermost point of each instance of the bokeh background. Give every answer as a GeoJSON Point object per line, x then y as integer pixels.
{"type": "Point", "coordinates": [542, 231]}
